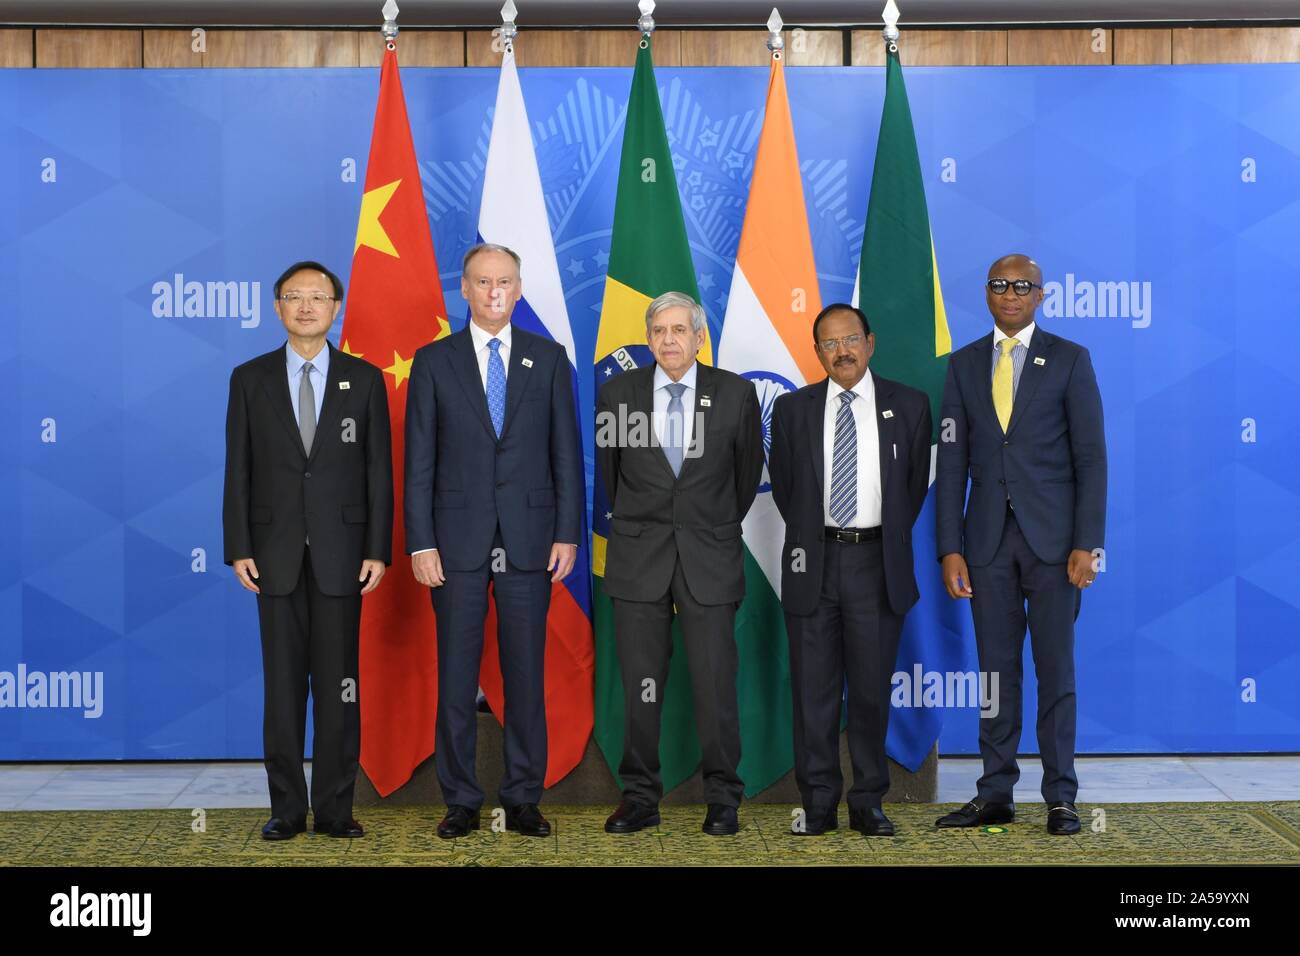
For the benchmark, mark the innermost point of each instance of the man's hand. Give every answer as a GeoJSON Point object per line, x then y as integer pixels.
{"type": "Point", "coordinates": [563, 557]}
{"type": "Point", "coordinates": [1080, 568]}
{"type": "Point", "coordinates": [427, 568]}
{"type": "Point", "coordinates": [372, 569]}
{"type": "Point", "coordinates": [246, 571]}
{"type": "Point", "coordinates": [956, 576]}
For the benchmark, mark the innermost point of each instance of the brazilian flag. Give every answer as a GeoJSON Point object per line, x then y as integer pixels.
{"type": "Point", "coordinates": [648, 256]}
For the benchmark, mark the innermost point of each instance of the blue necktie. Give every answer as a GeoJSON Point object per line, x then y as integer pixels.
{"type": "Point", "coordinates": [675, 427]}
{"type": "Point", "coordinates": [844, 467]}
{"type": "Point", "coordinates": [496, 386]}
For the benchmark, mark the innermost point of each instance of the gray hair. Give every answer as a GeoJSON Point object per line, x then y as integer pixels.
{"type": "Point", "coordinates": [489, 247]}
{"type": "Point", "coordinates": [676, 300]}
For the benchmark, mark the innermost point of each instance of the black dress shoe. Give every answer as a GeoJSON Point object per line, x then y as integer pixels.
{"type": "Point", "coordinates": [817, 822]}
{"type": "Point", "coordinates": [340, 828]}
{"type": "Point", "coordinates": [277, 829]}
{"type": "Point", "coordinates": [458, 822]}
{"type": "Point", "coordinates": [871, 821]}
{"type": "Point", "coordinates": [721, 820]}
{"type": "Point", "coordinates": [1062, 819]}
{"type": "Point", "coordinates": [631, 817]}
{"type": "Point", "coordinates": [978, 812]}
{"type": "Point", "coordinates": [527, 819]}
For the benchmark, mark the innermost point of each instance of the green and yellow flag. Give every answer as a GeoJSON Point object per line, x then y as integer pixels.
{"type": "Point", "coordinates": [648, 256]}
{"type": "Point", "coordinates": [898, 289]}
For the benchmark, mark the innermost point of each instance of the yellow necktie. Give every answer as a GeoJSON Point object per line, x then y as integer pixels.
{"type": "Point", "coordinates": [1002, 380]}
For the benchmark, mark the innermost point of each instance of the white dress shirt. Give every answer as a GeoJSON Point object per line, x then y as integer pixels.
{"type": "Point", "coordinates": [864, 417]}
{"type": "Point", "coordinates": [662, 398]}
{"type": "Point", "coordinates": [320, 366]}
{"type": "Point", "coordinates": [482, 352]}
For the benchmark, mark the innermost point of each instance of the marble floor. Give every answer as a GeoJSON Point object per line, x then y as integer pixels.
{"type": "Point", "coordinates": [142, 786]}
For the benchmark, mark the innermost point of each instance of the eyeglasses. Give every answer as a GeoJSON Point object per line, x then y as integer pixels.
{"type": "Point", "coordinates": [317, 300]}
{"type": "Point", "coordinates": [1021, 286]}
{"type": "Point", "coordinates": [849, 341]}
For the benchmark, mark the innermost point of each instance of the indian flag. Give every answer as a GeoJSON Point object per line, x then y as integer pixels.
{"type": "Point", "coordinates": [767, 338]}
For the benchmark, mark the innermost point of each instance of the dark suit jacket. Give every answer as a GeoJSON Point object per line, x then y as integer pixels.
{"type": "Point", "coordinates": [696, 516]}
{"type": "Point", "coordinates": [276, 495]}
{"type": "Point", "coordinates": [462, 482]}
{"type": "Point", "coordinates": [797, 467]}
{"type": "Point", "coordinates": [1051, 461]}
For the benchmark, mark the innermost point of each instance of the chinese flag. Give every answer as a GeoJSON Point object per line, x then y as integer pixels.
{"type": "Point", "coordinates": [395, 305]}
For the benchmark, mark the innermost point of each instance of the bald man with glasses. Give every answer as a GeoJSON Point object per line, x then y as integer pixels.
{"type": "Point", "coordinates": [1021, 426]}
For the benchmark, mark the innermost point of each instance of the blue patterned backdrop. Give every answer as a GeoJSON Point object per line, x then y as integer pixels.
{"type": "Point", "coordinates": [1164, 196]}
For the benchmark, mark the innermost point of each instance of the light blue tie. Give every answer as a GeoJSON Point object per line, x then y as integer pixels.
{"type": "Point", "coordinates": [496, 386]}
{"type": "Point", "coordinates": [844, 466]}
{"type": "Point", "coordinates": [675, 427]}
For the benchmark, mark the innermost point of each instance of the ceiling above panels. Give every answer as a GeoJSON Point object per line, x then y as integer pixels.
{"type": "Point", "coordinates": [669, 13]}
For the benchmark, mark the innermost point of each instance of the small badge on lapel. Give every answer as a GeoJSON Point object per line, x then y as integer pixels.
{"type": "Point", "coordinates": [1040, 361]}
{"type": "Point", "coordinates": [887, 413]}
{"type": "Point", "coordinates": [526, 363]}
{"type": "Point", "coordinates": [704, 402]}
{"type": "Point", "coordinates": [345, 385]}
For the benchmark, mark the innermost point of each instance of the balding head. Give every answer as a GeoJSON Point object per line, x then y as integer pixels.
{"type": "Point", "coordinates": [1012, 311]}
{"type": "Point", "coordinates": [1019, 261]}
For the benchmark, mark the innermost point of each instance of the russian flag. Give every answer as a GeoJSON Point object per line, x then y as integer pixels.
{"type": "Point", "coordinates": [513, 214]}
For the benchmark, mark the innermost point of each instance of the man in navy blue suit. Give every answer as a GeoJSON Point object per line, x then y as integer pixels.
{"type": "Point", "coordinates": [494, 493]}
{"type": "Point", "coordinates": [1021, 420]}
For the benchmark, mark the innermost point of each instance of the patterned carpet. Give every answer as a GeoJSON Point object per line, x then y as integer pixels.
{"type": "Point", "coordinates": [1181, 833]}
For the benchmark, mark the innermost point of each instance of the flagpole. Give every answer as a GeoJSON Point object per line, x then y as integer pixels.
{"type": "Point", "coordinates": [646, 22]}
{"type": "Point", "coordinates": [890, 32]}
{"type": "Point", "coordinates": [508, 30]}
{"type": "Point", "coordinates": [775, 40]}
{"type": "Point", "coordinates": [389, 29]}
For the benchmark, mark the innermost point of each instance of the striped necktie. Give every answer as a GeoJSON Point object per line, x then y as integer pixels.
{"type": "Point", "coordinates": [844, 465]}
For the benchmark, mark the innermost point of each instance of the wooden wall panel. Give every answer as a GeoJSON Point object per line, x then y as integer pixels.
{"type": "Point", "coordinates": [934, 48]}
{"type": "Point", "coordinates": [415, 48]}
{"type": "Point", "coordinates": [170, 49]}
{"type": "Point", "coordinates": [1237, 45]}
{"type": "Point", "coordinates": [1143, 46]}
{"type": "Point", "coordinates": [297, 48]}
{"type": "Point", "coordinates": [1058, 48]}
{"type": "Point", "coordinates": [814, 47]}
{"type": "Point", "coordinates": [574, 48]}
{"type": "Point", "coordinates": [89, 48]}
{"type": "Point", "coordinates": [15, 48]}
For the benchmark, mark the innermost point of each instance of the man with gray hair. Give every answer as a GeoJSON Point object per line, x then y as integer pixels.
{"type": "Point", "coordinates": [678, 490]}
{"type": "Point", "coordinates": [494, 495]}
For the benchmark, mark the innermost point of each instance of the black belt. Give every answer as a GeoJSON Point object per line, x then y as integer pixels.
{"type": "Point", "coordinates": [852, 535]}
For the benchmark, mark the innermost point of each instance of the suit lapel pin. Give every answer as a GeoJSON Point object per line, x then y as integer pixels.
{"type": "Point", "coordinates": [526, 363]}
{"type": "Point", "coordinates": [887, 413]}
{"type": "Point", "coordinates": [1040, 361]}
{"type": "Point", "coordinates": [704, 402]}
{"type": "Point", "coordinates": [345, 385]}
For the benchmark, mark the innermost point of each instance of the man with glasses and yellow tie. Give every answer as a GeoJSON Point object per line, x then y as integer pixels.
{"type": "Point", "coordinates": [1021, 421]}
{"type": "Point", "coordinates": [308, 520]}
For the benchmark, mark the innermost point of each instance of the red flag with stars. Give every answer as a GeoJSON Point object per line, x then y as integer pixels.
{"type": "Point", "coordinates": [394, 306]}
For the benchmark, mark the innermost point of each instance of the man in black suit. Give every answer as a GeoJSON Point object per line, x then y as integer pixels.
{"type": "Point", "coordinates": [1021, 419]}
{"type": "Point", "coordinates": [494, 494]}
{"type": "Point", "coordinates": [308, 519]}
{"type": "Point", "coordinates": [850, 464]}
{"type": "Point", "coordinates": [680, 475]}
